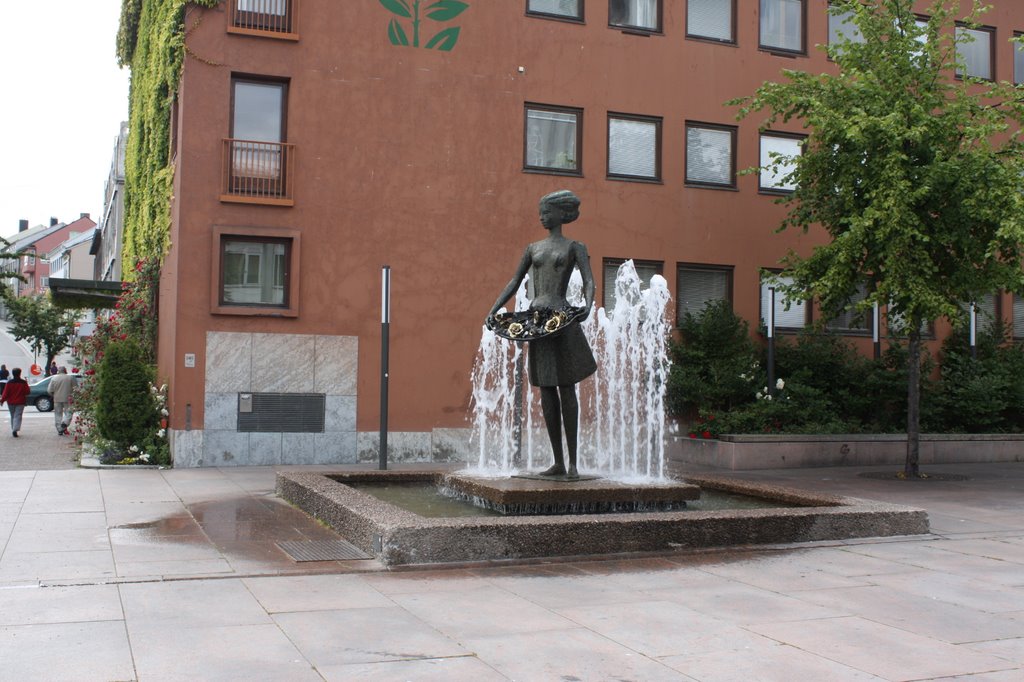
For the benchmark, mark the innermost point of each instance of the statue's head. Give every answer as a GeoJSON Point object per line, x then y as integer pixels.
{"type": "Point", "coordinates": [565, 201]}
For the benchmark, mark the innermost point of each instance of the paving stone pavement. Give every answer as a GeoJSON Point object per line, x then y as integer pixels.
{"type": "Point", "coordinates": [174, 575]}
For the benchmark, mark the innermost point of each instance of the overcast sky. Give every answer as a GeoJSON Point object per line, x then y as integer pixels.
{"type": "Point", "coordinates": [64, 100]}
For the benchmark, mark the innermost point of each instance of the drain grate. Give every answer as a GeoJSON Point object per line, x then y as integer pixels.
{"type": "Point", "coordinates": [322, 550]}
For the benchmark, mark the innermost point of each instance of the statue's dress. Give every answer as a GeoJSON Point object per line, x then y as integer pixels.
{"type": "Point", "coordinates": [564, 358]}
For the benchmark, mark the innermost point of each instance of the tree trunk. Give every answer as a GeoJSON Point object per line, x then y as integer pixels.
{"type": "Point", "coordinates": [910, 468]}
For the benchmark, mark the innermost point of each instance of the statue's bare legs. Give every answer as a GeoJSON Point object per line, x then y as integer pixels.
{"type": "Point", "coordinates": [560, 407]}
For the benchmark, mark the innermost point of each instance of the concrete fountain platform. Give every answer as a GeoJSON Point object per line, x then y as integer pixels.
{"type": "Point", "coordinates": [399, 537]}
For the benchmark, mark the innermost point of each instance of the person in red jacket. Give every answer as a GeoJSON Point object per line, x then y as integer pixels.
{"type": "Point", "coordinates": [15, 394]}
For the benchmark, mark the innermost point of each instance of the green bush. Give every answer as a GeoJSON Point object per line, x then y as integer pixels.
{"type": "Point", "coordinates": [983, 394]}
{"type": "Point", "coordinates": [127, 414]}
{"type": "Point", "coordinates": [714, 363]}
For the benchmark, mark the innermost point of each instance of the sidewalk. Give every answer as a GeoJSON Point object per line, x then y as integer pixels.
{"type": "Point", "coordinates": [175, 575]}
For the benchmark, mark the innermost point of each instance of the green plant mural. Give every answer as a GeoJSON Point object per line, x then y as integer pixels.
{"type": "Point", "coordinates": [440, 11]}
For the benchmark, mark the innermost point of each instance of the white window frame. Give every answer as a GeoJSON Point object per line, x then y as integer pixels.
{"type": "Point", "coordinates": [772, 181]}
{"type": "Point", "coordinates": [692, 24]}
{"type": "Point", "coordinates": [691, 179]}
{"type": "Point", "coordinates": [791, 320]}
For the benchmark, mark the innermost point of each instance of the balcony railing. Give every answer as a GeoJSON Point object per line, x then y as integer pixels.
{"type": "Point", "coordinates": [258, 172]}
{"type": "Point", "coordinates": [274, 18]}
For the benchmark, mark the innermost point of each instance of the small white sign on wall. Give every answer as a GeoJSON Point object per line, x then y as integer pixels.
{"type": "Point", "coordinates": [190, 359]}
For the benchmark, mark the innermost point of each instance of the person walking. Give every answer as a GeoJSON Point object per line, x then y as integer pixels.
{"type": "Point", "coordinates": [15, 393]}
{"type": "Point", "coordinates": [61, 386]}
{"type": "Point", "coordinates": [4, 376]}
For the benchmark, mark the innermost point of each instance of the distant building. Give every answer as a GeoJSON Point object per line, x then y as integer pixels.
{"type": "Point", "coordinates": [106, 244]}
{"type": "Point", "coordinates": [72, 259]}
{"type": "Point", "coordinates": [35, 245]}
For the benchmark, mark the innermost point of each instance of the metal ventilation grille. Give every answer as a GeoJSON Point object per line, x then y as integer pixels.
{"type": "Point", "coordinates": [281, 412]}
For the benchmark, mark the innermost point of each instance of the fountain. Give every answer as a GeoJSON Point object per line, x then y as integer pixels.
{"type": "Point", "coordinates": [623, 503]}
{"type": "Point", "coordinates": [622, 407]}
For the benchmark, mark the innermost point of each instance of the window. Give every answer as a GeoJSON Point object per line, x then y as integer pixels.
{"type": "Point", "coordinates": [710, 155]}
{"type": "Point", "coordinates": [852, 320]}
{"type": "Point", "coordinates": [841, 27]}
{"type": "Point", "coordinates": [778, 152]}
{"type": "Point", "coordinates": [698, 285]}
{"type": "Point", "coordinates": [568, 9]}
{"type": "Point", "coordinates": [782, 25]}
{"type": "Point", "coordinates": [974, 49]}
{"type": "Point", "coordinates": [711, 19]}
{"type": "Point", "coordinates": [257, 155]}
{"type": "Point", "coordinates": [896, 324]}
{"type": "Point", "coordinates": [1018, 60]}
{"type": "Point", "coordinates": [987, 310]}
{"type": "Point", "coordinates": [644, 269]}
{"type": "Point", "coordinates": [254, 271]}
{"type": "Point", "coordinates": [1018, 317]}
{"type": "Point", "coordinates": [553, 139]}
{"type": "Point", "coordinates": [644, 15]}
{"type": "Point", "coordinates": [787, 317]}
{"type": "Point", "coordinates": [634, 147]}
{"type": "Point", "coordinates": [273, 16]}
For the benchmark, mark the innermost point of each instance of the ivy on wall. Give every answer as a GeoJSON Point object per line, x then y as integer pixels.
{"type": "Point", "coordinates": [151, 41]}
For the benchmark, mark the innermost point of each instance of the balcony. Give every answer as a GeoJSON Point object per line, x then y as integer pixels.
{"type": "Point", "coordinates": [266, 18]}
{"type": "Point", "coordinates": [258, 172]}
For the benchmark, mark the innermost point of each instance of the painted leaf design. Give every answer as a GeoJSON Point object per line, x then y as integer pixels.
{"type": "Point", "coordinates": [445, 40]}
{"type": "Point", "coordinates": [445, 10]}
{"type": "Point", "coordinates": [396, 34]}
{"type": "Point", "coordinates": [399, 7]}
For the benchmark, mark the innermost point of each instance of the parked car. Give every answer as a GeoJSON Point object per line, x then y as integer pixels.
{"type": "Point", "coordinates": [38, 396]}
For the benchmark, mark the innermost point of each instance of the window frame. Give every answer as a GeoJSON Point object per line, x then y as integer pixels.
{"type": "Point", "coordinates": [710, 39]}
{"type": "Point", "coordinates": [640, 30]}
{"type": "Point", "coordinates": [867, 330]}
{"type": "Point", "coordinates": [291, 238]}
{"type": "Point", "coordinates": [734, 130]}
{"type": "Point", "coordinates": [1015, 300]}
{"type": "Point", "coordinates": [991, 31]}
{"type": "Point", "coordinates": [578, 112]}
{"type": "Point", "coordinates": [775, 191]}
{"type": "Point", "coordinates": [617, 262]}
{"type": "Point", "coordinates": [681, 267]}
{"type": "Point", "coordinates": [657, 121]}
{"type": "Point", "coordinates": [261, 80]}
{"type": "Point", "coordinates": [763, 320]}
{"type": "Point", "coordinates": [829, 17]}
{"type": "Point", "coordinates": [580, 19]}
{"type": "Point", "coordinates": [782, 51]}
{"type": "Point", "coordinates": [1018, 49]}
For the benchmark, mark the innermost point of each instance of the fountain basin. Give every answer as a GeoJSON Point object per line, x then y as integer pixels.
{"type": "Point", "coordinates": [399, 537]}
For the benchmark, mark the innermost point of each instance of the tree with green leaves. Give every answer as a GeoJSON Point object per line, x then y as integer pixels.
{"type": "Point", "coordinates": [47, 328]}
{"type": "Point", "coordinates": [915, 172]}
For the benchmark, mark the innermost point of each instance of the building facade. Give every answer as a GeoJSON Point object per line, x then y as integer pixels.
{"type": "Point", "coordinates": [106, 244]}
{"type": "Point", "coordinates": [316, 141]}
{"type": "Point", "coordinates": [35, 244]}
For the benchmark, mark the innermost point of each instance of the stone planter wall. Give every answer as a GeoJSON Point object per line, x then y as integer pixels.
{"type": "Point", "coordinates": [739, 452]}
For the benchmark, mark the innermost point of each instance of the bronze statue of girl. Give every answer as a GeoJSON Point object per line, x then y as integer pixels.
{"type": "Point", "coordinates": [558, 361]}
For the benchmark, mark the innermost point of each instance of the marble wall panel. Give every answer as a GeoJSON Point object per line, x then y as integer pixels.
{"type": "Point", "coordinates": [298, 448]}
{"type": "Point", "coordinates": [403, 446]}
{"type": "Point", "coordinates": [341, 413]}
{"type": "Point", "coordinates": [186, 448]}
{"type": "Point", "coordinates": [225, 448]}
{"type": "Point", "coordinates": [220, 411]}
{"type": "Point", "coordinates": [337, 365]}
{"type": "Point", "coordinates": [283, 363]}
{"type": "Point", "coordinates": [228, 362]}
{"type": "Point", "coordinates": [452, 445]}
{"type": "Point", "coordinates": [264, 449]}
{"type": "Point", "coordinates": [335, 448]}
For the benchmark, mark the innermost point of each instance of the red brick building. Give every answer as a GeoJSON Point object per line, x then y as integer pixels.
{"type": "Point", "coordinates": [315, 141]}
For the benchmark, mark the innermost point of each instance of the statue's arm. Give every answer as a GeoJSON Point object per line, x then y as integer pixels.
{"type": "Point", "coordinates": [583, 263]}
{"type": "Point", "coordinates": [513, 285]}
